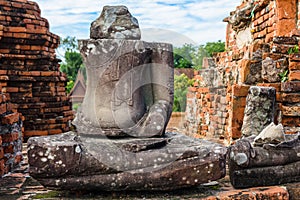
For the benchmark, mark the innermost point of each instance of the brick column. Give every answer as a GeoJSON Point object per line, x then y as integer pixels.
{"type": "Point", "coordinates": [286, 13]}
{"type": "Point", "coordinates": [35, 83]}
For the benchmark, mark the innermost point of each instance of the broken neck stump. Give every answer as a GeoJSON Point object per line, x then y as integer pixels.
{"type": "Point", "coordinates": [120, 142]}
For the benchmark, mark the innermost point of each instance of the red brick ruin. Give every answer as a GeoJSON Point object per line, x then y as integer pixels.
{"type": "Point", "coordinates": [30, 81]}
{"type": "Point", "coordinates": [259, 46]}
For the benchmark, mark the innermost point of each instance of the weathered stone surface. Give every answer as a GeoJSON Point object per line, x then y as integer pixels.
{"type": "Point", "coordinates": [265, 176]}
{"type": "Point", "coordinates": [291, 110]}
{"type": "Point", "coordinates": [271, 69]}
{"type": "Point", "coordinates": [239, 19]}
{"type": "Point", "coordinates": [273, 134]}
{"type": "Point", "coordinates": [285, 40]}
{"type": "Point", "coordinates": [259, 111]}
{"type": "Point", "coordinates": [129, 88]}
{"type": "Point", "coordinates": [209, 77]}
{"type": "Point", "coordinates": [245, 155]}
{"type": "Point", "coordinates": [261, 166]}
{"type": "Point", "coordinates": [209, 73]}
{"type": "Point", "coordinates": [251, 72]}
{"type": "Point", "coordinates": [170, 162]}
{"type": "Point", "coordinates": [293, 86]}
{"type": "Point", "coordinates": [115, 22]}
{"type": "Point", "coordinates": [257, 193]}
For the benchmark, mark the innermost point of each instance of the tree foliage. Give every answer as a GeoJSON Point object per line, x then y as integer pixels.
{"type": "Point", "coordinates": [69, 43]}
{"type": "Point", "coordinates": [72, 61]}
{"type": "Point", "coordinates": [181, 84]}
{"type": "Point", "coordinates": [71, 65]}
{"type": "Point", "coordinates": [189, 56]}
{"type": "Point", "coordinates": [183, 56]}
{"type": "Point", "coordinates": [214, 47]}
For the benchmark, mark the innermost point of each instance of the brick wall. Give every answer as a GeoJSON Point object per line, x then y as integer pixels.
{"type": "Point", "coordinates": [28, 59]}
{"type": "Point", "coordinates": [259, 36]}
{"type": "Point", "coordinates": [10, 132]}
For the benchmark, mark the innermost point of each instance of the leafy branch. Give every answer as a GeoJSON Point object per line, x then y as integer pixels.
{"type": "Point", "coordinates": [284, 76]}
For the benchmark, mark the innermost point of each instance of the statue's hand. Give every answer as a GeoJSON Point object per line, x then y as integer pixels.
{"type": "Point", "coordinates": [154, 122]}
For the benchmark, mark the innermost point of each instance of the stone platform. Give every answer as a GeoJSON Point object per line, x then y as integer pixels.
{"type": "Point", "coordinates": [71, 162]}
{"type": "Point", "coordinates": [19, 185]}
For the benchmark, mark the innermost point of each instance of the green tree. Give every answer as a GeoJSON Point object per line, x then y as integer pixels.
{"type": "Point", "coordinates": [214, 47]}
{"type": "Point", "coordinates": [198, 56]}
{"type": "Point", "coordinates": [189, 56]}
{"type": "Point", "coordinates": [181, 84]}
{"type": "Point", "coordinates": [183, 56]}
{"type": "Point", "coordinates": [72, 60]}
{"type": "Point", "coordinates": [69, 43]}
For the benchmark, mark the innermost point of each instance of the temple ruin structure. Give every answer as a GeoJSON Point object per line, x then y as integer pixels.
{"type": "Point", "coordinates": [31, 84]}
{"type": "Point", "coordinates": [262, 49]}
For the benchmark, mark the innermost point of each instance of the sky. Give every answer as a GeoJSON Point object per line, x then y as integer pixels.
{"type": "Point", "coordinates": [173, 21]}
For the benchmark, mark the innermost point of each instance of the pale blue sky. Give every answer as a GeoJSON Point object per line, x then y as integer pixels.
{"type": "Point", "coordinates": [174, 21]}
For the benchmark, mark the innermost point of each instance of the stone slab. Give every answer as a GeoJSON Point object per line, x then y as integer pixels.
{"type": "Point", "coordinates": [70, 162]}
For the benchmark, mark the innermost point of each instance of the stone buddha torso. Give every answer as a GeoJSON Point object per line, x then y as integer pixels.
{"type": "Point", "coordinates": [127, 79]}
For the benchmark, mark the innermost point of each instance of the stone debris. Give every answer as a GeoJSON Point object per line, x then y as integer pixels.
{"type": "Point", "coordinates": [273, 134]}
{"type": "Point", "coordinates": [271, 164]}
{"type": "Point", "coordinates": [259, 111]}
{"type": "Point", "coordinates": [266, 157]}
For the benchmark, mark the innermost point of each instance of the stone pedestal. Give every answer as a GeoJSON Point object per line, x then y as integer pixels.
{"type": "Point", "coordinates": [71, 162]}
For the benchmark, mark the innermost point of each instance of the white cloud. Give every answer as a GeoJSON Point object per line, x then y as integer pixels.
{"type": "Point", "coordinates": [162, 20]}
{"type": "Point", "coordinates": [163, 35]}
{"type": "Point", "coordinates": [214, 9]}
